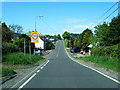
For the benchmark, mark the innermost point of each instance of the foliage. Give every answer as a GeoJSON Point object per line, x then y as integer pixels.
{"type": "Point", "coordinates": [102, 61]}
{"type": "Point", "coordinates": [6, 33]}
{"type": "Point", "coordinates": [66, 35]}
{"type": "Point", "coordinates": [86, 35]}
{"type": "Point", "coordinates": [68, 43]}
{"type": "Point", "coordinates": [8, 47]}
{"type": "Point", "coordinates": [20, 58]}
{"type": "Point", "coordinates": [7, 71]}
{"type": "Point", "coordinates": [77, 42]}
{"type": "Point", "coordinates": [106, 39]}
{"type": "Point", "coordinates": [16, 28]}
{"type": "Point", "coordinates": [110, 51]}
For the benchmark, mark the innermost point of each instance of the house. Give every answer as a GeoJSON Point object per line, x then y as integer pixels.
{"type": "Point", "coordinates": [43, 44]}
{"type": "Point", "coordinates": [90, 46]}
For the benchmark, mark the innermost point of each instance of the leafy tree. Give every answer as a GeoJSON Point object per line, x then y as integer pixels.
{"type": "Point", "coordinates": [101, 35]}
{"type": "Point", "coordinates": [16, 28]}
{"type": "Point", "coordinates": [69, 43]}
{"type": "Point", "coordinates": [114, 31]}
{"type": "Point", "coordinates": [87, 34]}
{"type": "Point", "coordinates": [66, 35]}
{"type": "Point", "coordinates": [59, 37]}
{"type": "Point", "coordinates": [6, 33]}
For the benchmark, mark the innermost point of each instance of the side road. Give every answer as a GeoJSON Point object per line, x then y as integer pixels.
{"type": "Point", "coordinates": [106, 71]}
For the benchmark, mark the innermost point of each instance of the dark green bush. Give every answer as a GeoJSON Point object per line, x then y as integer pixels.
{"type": "Point", "coordinates": [8, 47]}
{"type": "Point", "coordinates": [110, 51]}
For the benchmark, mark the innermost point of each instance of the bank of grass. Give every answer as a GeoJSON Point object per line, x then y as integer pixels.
{"type": "Point", "coordinates": [103, 61]}
{"type": "Point", "coordinates": [65, 42]}
{"type": "Point", "coordinates": [13, 61]}
{"type": "Point", "coordinates": [20, 58]}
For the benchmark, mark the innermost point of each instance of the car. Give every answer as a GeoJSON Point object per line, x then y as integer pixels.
{"type": "Point", "coordinates": [38, 51]}
{"type": "Point", "coordinates": [75, 49]}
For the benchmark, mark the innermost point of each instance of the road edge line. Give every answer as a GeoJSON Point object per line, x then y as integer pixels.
{"type": "Point", "coordinates": [27, 75]}
{"type": "Point", "coordinates": [92, 68]}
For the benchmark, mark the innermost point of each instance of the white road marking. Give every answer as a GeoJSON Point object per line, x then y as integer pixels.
{"type": "Point", "coordinates": [38, 70]}
{"type": "Point", "coordinates": [26, 81]}
{"type": "Point", "coordinates": [41, 67]}
{"type": "Point", "coordinates": [93, 69]}
{"type": "Point", "coordinates": [27, 76]}
{"type": "Point", "coordinates": [44, 65]}
{"type": "Point", "coordinates": [58, 50]}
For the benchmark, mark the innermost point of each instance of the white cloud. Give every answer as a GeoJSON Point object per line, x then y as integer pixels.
{"type": "Point", "coordinates": [79, 28]}
{"type": "Point", "coordinates": [72, 21]}
{"type": "Point", "coordinates": [66, 30]}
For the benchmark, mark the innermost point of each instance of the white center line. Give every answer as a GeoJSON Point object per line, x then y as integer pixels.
{"type": "Point", "coordinates": [41, 67]}
{"type": "Point", "coordinates": [38, 70]}
{"type": "Point", "coordinates": [26, 82]}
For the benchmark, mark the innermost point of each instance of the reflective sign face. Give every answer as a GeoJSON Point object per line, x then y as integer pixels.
{"type": "Point", "coordinates": [34, 37]}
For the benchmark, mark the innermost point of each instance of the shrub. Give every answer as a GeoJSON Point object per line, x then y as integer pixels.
{"type": "Point", "coordinates": [8, 47]}
{"type": "Point", "coordinates": [111, 51]}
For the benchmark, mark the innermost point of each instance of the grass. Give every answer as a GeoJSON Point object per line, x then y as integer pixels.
{"type": "Point", "coordinates": [102, 61]}
{"type": "Point", "coordinates": [68, 49]}
{"type": "Point", "coordinates": [65, 42]}
{"type": "Point", "coordinates": [7, 71]}
{"type": "Point", "coordinates": [20, 58]}
{"type": "Point", "coordinates": [13, 61]}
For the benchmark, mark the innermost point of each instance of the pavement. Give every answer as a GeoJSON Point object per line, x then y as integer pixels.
{"type": "Point", "coordinates": [62, 72]}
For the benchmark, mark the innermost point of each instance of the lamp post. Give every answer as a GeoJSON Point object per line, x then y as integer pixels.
{"type": "Point", "coordinates": [36, 19]}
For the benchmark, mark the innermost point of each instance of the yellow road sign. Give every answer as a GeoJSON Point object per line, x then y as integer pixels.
{"type": "Point", "coordinates": [34, 37]}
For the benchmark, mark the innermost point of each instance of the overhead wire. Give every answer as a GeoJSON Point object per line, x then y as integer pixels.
{"type": "Point", "coordinates": [105, 14]}
{"type": "Point", "coordinates": [47, 24]}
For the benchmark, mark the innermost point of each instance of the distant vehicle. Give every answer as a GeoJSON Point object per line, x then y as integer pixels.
{"type": "Point", "coordinates": [38, 51]}
{"type": "Point", "coordinates": [75, 49]}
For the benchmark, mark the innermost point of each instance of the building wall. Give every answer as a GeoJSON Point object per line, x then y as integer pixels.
{"type": "Point", "coordinates": [40, 44]}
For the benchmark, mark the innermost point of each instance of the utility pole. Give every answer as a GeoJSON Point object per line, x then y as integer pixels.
{"type": "Point", "coordinates": [24, 48]}
{"type": "Point", "coordinates": [118, 7]}
{"type": "Point", "coordinates": [36, 21]}
{"type": "Point", "coordinates": [30, 49]}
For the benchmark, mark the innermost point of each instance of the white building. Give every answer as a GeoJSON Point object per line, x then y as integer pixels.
{"type": "Point", "coordinates": [40, 44]}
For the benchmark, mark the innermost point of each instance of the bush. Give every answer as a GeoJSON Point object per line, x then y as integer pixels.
{"type": "Point", "coordinates": [8, 47]}
{"type": "Point", "coordinates": [110, 51]}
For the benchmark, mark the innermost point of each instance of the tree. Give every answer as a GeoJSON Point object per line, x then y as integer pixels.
{"type": "Point", "coordinates": [16, 28]}
{"type": "Point", "coordinates": [101, 35]}
{"type": "Point", "coordinates": [6, 33]}
{"type": "Point", "coordinates": [59, 37]}
{"type": "Point", "coordinates": [87, 34]}
{"type": "Point", "coordinates": [114, 31]}
{"type": "Point", "coordinates": [66, 35]}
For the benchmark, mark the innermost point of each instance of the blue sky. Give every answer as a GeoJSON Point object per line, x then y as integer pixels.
{"type": "Point", "coordinates": [74, 17]}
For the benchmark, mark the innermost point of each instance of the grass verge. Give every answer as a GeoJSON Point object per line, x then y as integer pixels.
{"type": "Point", "coordinates": [20, 58]}
{"type": "Point", "coordinates": [102, 61]}
{"type": "Point", "coordinates": [13, 61]}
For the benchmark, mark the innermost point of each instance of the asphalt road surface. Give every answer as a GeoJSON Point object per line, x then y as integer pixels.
{"type": "Point", "coordinates": [62, 72]}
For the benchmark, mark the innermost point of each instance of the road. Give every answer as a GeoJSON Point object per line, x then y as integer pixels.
{"type": "Point", "coordinates": [62, 72]}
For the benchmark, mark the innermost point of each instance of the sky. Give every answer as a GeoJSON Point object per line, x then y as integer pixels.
{"type": "Point", "coordinates": [58, 17]}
